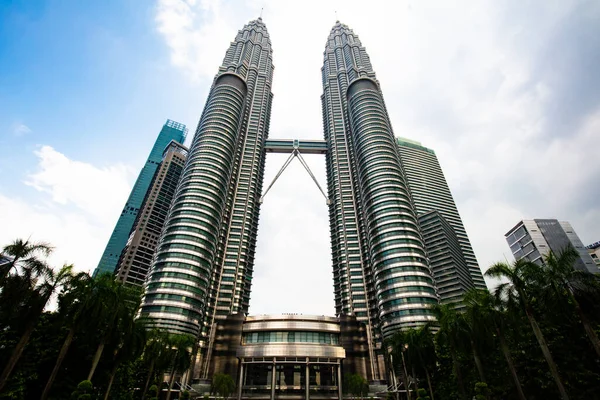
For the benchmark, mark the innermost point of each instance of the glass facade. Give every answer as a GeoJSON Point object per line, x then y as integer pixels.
{"type": "Point", "coordinates": [377, 250]}
{"type": "Point", "coordinates": [430, 192]}
{"type": "Point", "coordinates": [171, 130]}
{"type": "Point", "coordinates": [291, 337]}
{"type": "Point", "coordinates": [206, 252]}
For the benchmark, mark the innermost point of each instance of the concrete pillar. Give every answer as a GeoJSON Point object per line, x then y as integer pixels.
{"type": "Point", "coordinates": [339, 380]}
{"type": "Point", "coordinates": [307, 383]}
{"type": "Point", "coordinates": [273, 381]}
{"type": "Point", "coordinates": [241, 381]}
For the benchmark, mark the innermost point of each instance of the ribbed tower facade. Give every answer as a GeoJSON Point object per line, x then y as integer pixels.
{"type": "Point", "coordinates": [430, 191]}
{"type": "Point", "coordinates": [380, 266]}
{"type": "Point", "coordinates": [202, 269]}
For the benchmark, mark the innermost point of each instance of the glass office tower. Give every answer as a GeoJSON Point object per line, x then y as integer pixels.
{"type": "Point", "coordinates": [136, 258]}
{"type": "Point", "coordinates": [430, 192]}
{"type": "Point", "coordinates": [380, 266]}
{"type": "Point", "coordinates": [203, 265]}
{"type": "Point", "coordinates": [171, 130]}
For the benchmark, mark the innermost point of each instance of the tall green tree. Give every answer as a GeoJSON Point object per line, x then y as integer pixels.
{"type": "Point", "coordinates": [74, 304]}
{"type": "Point", "coordinates": [452, 332]}
{"type": "Point", "coordinates": [222, 384]}
{"type": "Point", "coordinates": [519, 288]}
{"type": "Point", "coordinates": [488, 314]}
{"type": "Point", "coordinates": [26, 256]}
{"type": "Point", "coordinates": [156, 355]}
{"type": "Point", "coordinates": [115, 309]}
{"type": "Point", "coordinates": [581, 288]}
{"type": "Point", "coordinates": [42, 287]}
{"type": "Point", "coordinates": [419, 349]}
{"type": "Point", "coordinates": [181, 357]}
{"type": "Point", "coordinates": [130, 346]}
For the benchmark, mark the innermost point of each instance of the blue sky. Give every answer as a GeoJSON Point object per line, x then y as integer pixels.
{"type": "Point", "coordinates": [506, 93]}
{"type": "Point", "coordinates": [91, 78]}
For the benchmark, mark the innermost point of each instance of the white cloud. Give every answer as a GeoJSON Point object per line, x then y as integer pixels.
{"type": "Point", "coordinates": [76, 213]}
{"type": "Point", "coordinates": [96, 191]}
{"type": "Point", "coordinates": [487, 85]}
{"type": "Point", "coordinates": [20, 129]}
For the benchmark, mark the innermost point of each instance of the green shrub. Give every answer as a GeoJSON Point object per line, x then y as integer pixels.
{"type": "Point", "coordinates": [185, 395]}
{"type": "Point", "coordinates": [481, 391]}
{"type": "Point", "coordinates": [422, 395]}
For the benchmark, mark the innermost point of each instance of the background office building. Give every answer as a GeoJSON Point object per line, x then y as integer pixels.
{"type": "Point", "coordinates": [533, 239]}
{"type": "Point", "coordinates": [454, 274]}
{"type": "Point", "coordinates": [448, 264]}
{"type": "Point", "coordinates": [136, 257]}
{"type": "Point", "coordinates": [594, 251]}
{"type": "Point", "coordinates": [171, 130]}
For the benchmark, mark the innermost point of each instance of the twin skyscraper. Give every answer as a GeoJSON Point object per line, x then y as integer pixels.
{"type": "Point", "coordinates": [387, 268]}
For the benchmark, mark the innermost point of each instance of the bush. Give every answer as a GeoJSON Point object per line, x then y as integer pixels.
{"type": "Point", "coordinates": [481, 391]}
{"type": "Point", "coordinates": [83, 391]}
{"type": "Point", "coordinates": [185, 395]}
{"type": "Point", "coordinates": [222, 384]}
{"type": "Point", "coordinates": [422, 393]}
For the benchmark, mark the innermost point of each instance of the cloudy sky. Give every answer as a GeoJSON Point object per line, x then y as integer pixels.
{"type": "Point", "coordinates": [507, 94]}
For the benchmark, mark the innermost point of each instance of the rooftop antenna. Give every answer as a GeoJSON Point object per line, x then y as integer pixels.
{"type": "Point", "coordinates": [261, 10]}
{"type": "Point", "coordinates": [336, 17]}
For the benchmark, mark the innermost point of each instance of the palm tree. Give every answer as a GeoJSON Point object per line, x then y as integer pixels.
{"type": "Point", "coordinates": [115, 310]}
{"type": "Point", "coordinates": [181, 359]}
{"type": "Point", "coordinates": [26, 255]}
{"type": "Point", "coordinates": [452, 332]}
{"type": "Point", "coordinates": [581, 287]}
{"type": "Point", "coordinates": [419, 348]}
{"type": "Point", "coordinates": [521, 277]}
{"type": "Point", "coordinates": [130, 347]}
{"type": "Point", "coordinates": [38, 297]}
{"type": "Point", "coordinates": [75, 304]}
{"type": "Point", "coordinates": [155, 355]}
{"type": "Point", "coordinates": [485, 311]}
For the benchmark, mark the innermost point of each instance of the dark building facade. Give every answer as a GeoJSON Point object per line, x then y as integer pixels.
{"type": "Point", "coordinates": [290, 355]}
{"type": "Point", "coordinates": [171, 130]}
{"type": "Point", "coordinates": [136, 257]}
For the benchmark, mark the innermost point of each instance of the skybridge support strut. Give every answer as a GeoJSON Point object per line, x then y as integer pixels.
{"type": "Point", "coordinates": [295, 153]}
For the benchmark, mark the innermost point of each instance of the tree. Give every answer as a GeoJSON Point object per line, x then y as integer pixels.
{"type": "Point", "coordinates": [153, 391]}
{"type": "Point", "coordinates": [422, 395]}
{"type": "Point", "coordinates": [40, 292]}
{"type": "Point", "coordinates": [521, 277]}
{"type": "Point", "coordinates": [418, 347]}
{"type": "Point", "coordinates": [24, 255]}
{"type": "Point", "coordinates": [155, 355]}
{"type": "Point", "coordinates": [580, 287]}
{"type": "Point", "coordinates": [482, 391]}
{"type": "Point", "coordinates": [185, 395]}
{"type": "Point", "coordinates": [129, 347]}
{"type": "Point", "coordinates": [74, 304]}
{"type": "Point", "coordinates": [83, 391]}
{"type": "Point", "coordinates": [487, 313]}
{"type": "Point", "coordinates": [222, 384]}
{"type": "Point", "coordinates": [356, 385]}
{"type": "Point", "coordinates": [452, 331]}
{"type": "Point", "coordinates": [181, 356]}
{"type": "Point", "coordinates": [115, 310]}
